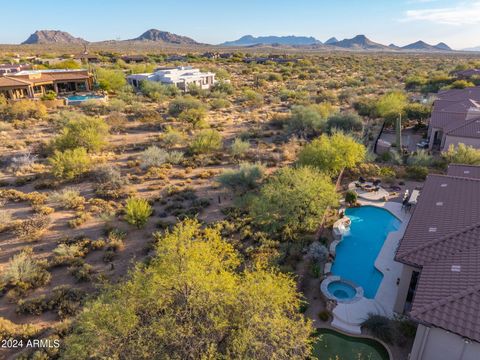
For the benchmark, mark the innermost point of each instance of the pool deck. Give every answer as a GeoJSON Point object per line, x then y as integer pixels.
{"type": "Point", "coordinates": [349, 317]}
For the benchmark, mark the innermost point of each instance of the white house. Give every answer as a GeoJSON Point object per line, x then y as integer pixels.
{"type": "Point", "coordinates": [181, 77]}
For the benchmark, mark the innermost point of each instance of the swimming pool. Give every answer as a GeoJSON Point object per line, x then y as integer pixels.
{"type": "Point", "coordinates": [75, 99]}
{"type": "Point", "coordinates": [359, 248]}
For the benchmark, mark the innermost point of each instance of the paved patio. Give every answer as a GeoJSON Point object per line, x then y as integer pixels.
{"type": "Point", "coordinates": [349, 317]}
{"type": "Point", "coordinates": [380, 195]}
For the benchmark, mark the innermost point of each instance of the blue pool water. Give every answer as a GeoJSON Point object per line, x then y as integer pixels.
{"type": "Point", "coordinates": [80, 98]}
{"type": "Point", "coordinates": [358, 250]}
{"type": "Point", "coordinates": [341, 290]}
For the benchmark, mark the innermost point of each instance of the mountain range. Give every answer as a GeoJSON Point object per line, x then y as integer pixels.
{"type": "Point", "coordinates": [359, 42]}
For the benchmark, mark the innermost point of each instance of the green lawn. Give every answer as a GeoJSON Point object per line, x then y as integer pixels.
{"type": "Point", "coordinates": [331, 345]}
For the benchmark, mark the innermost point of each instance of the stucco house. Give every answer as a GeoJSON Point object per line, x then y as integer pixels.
{"type": "Point", "coordinates": [455, 119]}
{"type": "Point", "coordinates": [35, 83]}
{"type": "Point", "coordinates": [440, 251]}
{"type": "Point", "coordinates": [182, 77]}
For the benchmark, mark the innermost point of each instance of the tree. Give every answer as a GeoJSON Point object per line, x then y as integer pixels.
{"type": "Point", "coordinates": [137, 211]}
{"type": "Point", "coordinates": [111, 80]}
{"type": "Point", "coordinates": [83, 131]}
{"type": "Point", "coordinates": [306, 120]}
{"type": "Point", "coordinates": [332, 154]}
{"type": "Point", "coordinates": [391, 106]}
{"type": "Point", "coordinates": [351, 197]}
{"type": "Point", "coordinates": [184, 103]}
{"type": "Point", "coordinates": [462, 154]}
{"type": "Point", "coordinates": [193, 301]}
{"type": "Point", "coordinates": [293, 201]}
{"type": "Point", "coordinates": [70, 164]}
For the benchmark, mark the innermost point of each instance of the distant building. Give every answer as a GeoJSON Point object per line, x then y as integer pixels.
{"type": "Point", "coordinates": [134, 58]}
{"type": "Point", "coordinates": [6, 69]}
{"type": "Point", "coordinates": [181, 77]}
{"type": "Point", "coordinates": [35, 83]}
{"type": "Point", "coordinates": [455, 119]}
{"type": "Point", "coordinates": [440, 282]}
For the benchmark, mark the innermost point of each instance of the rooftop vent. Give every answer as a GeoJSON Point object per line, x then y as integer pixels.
{"type": "Point", "coordinates": [432, 229]}
{"type": "Point", "coordinates": [440, 203]}
{"type": "Point", "coordinates": [456, 268]}
{"type": "Point", "coordinates": [443, 185]}
{"type": "Point", "coordinates": [466, 171]}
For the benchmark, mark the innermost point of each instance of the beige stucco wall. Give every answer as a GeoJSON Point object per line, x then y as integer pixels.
{"type": "Point", "coordinates": [455, 140]}
{"type": "Point", "coordinates": [438, 344]}
{"type": "Point", "coordinates": [403, 288]}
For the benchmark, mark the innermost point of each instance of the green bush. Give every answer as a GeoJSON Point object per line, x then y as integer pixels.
{"type": "Point", "coordinates": [182, 104]}
{"type": "Point", "coordinates": [420, 158]}
{"type": "Point", "coordinates": [110, 80]}
{"type": "Point", "coordinates": [251, 97]}
{"type": "Point", "coordinates": [245, 178]}
{"type": "Point", "coordinates": [462, 154]}
{"type": "Point", "coordinates": [223, 87]}
{"type": "Point", "coordinates": [347, 122]}
{"type": "Point", "coordinates": [137, 211]}
{"type": "Point", "coordinates": [83, 131]}
{"type": "Point", "coordinates": [206, 141]}
{"type": "Point", "coordinates": [193, 116]}
{"type": "Point", "coordinates": [324, 315]}
{"type": "Point", "coordinates": [351, 197]}
{"type": "Point", "coordinates": [153, 156]}
{"type": "Point", "coordinates": [417, 172]}
{"type": "Point", "coordinates": [306, 120]}
{"type": "Point", "coordinates": [70, 164]}
{"type": "Point", "coordinates": [380, 327]}
{"type": "Point", "coordinates": [239, 147]}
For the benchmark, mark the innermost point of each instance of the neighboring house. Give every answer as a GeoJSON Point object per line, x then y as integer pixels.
{"type": "Point", "coordinates": [455, 119]}
{"type": "Point", "coordinates": [134, 58]}
{"type": "Point", "coordinates": [440, 283]}
{"type": "Point", "coordinates": [6, 69]}
{"type": "Point", "coordinates": [182, 77]}
{"type": "Point", "coordinates": [35, 83]}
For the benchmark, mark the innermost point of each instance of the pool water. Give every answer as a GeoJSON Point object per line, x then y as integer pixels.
{"type": "Point", "coordinates": [80, 98]}
{"type": "Point", "coordinates": [359, 248]}
{"type": "Point", "coordinates": [341, 290]}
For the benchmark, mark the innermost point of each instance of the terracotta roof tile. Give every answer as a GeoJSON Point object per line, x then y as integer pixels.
{"type": "Point", "coordinates": [6, 81]}
{"type": "Point", "coordinates": [470, 171]}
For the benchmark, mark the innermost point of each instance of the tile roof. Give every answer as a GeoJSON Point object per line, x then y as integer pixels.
{"type": "Point", "coordinates": [471, 171]}
{"type": "Point", "coordinates": [443, 239]}
{"type": "Point", "coordinates": [6, 81]}
{"type": "Point", "coordinates": [470, 128]}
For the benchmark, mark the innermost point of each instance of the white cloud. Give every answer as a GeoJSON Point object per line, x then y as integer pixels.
{"type": "Point", "coordinates": [466, 13]}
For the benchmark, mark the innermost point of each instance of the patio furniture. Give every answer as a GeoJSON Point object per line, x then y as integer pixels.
{"type": "Point", "coordinates": [414, 197]}
{"type": "Point", "coordinates": [361, 180]}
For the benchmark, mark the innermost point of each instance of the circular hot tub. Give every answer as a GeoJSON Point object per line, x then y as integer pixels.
{"type": "Point", "coordinates": [341, 290]}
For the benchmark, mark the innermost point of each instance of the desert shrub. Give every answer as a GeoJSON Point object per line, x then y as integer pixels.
{"type": "Point", "coordinates": [317, 252]}
{"type": "Point", "coordinates": [157, 91]}
{"type": "Point", "coordinates": [251, 97]}
{"type": "Point", "coordinates": [49, 95]}
{"type": "Point", "coordinates": [82, 131]}
{"type": "Point", "coordinates": [462, 154]}
{"type": "Point", "coordinates": [116, 121]}
{"type": "Point", "coordinates": [9, 330]}
{"type": "Point", "coordinates": [68, 198]}
{"type": "Point", "coordinates": [324, 315]}
{"type": "Point", "coordinates": [206, 141]}
{"type": "Point", "coordinates": [420, 158]}
{"type": "Point", "coordinates": [417, 172]}
{"type": "Point", "coordinates": [181, 104]}
{"type": "Point", "coordinates": [33, 228]}
{"type": "Point", "coordinates": [172, 137]}
{"type": "Point", "coordinates": [174, 157]}
{"type": "Point", "coordinates": [70, 164]}
{"type": "Point", "coordinates": [306, 120]}
{"type": "Point", "coordinates": [351, 197]}
{"type": "Point", "coordinates": [24, 271]}
{"type": "Point", "coordinates": [5, 220]}
{"type": "Point", "coordinates": [83, 272]}
{"type": "Point", "coordinates": [195, 117]}
{"type": "Point", "coordinates": [109, 181]}
{"type": "Point", "coordinates": [116, 105]}
{"type": "Point", "coordinates": [219, 103]}
{"type": "Point", "coordinates": [23, 162]}
{"type": "Point", "coordinates": [347, 122]}
{"type": "Point", "coordinates": [246, 177]}
{"type": "Point", "coordinates": [67, 253]}
{"type": "Point", "coordinates": [137, 211]}
{"type": "Point", "coordinates": [239, 147]}
{"type": "Point", "coordinates": [223, 87]}
{"type": "Point", "coordinates": [24, 109]}
{"type": "Point", "coordinates": [153, 156]}
{"type": "Point", "coordinates": [380, 327]}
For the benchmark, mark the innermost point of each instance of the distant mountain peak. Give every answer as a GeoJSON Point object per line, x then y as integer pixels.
{"type": "Point", "coordinates": [165, 36]}
{"type": "Point", "coordinates": [331, 41]}
{"type": "Point", "coordinates": [423, 46]}
{"type": "Point", "coordinates": [53, 36]}
{"type": "Point", "coordinates": [292, 40]}
{"type": "Point", "coordinates": [360, 42]}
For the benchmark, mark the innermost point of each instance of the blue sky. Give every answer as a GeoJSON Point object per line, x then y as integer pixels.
{"type": "Point", "coordinates": [214, 21]}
